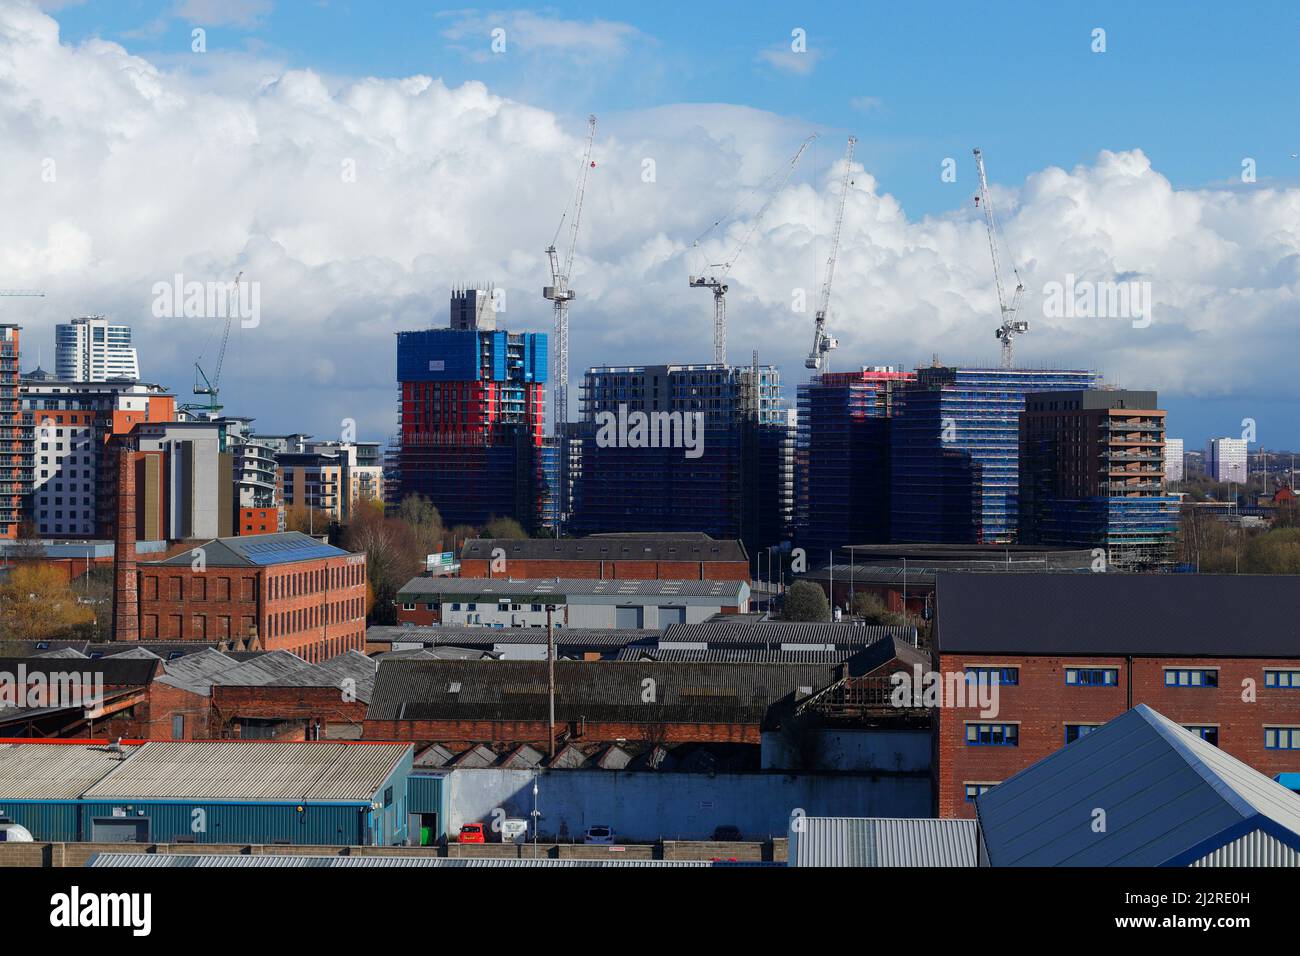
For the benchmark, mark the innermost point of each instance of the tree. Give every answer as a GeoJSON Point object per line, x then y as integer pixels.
{"type": "Point", "coordinates": [308, 520]}
{"type": "Point", "coordinates": [424, 521]}
{"type": "Point", "coordinates": [806, 601]}
{"type": "Point", "coordinates": [393, 557]}
{"type": "Point", "coordinates": [36, 603]}
{"type": "Point", "coordinates": [872, 610]}
{"type": "Point", "coordinates": [1273, 552]}
{"type": "Point", "coordinates": [504, 528]}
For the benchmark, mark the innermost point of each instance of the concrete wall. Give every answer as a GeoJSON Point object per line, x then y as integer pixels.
{"type": "Point", "coordinates": [677, 806]}
{"type": "Point", "coordinates": [849, 750]}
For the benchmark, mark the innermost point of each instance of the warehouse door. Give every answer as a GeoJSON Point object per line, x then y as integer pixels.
{"type": "Point", "coordinates": [119, 830]}
{"type": "Point", "coordinates": [628, 616]}
{"type": "Point", "coordinates": [671, 615]}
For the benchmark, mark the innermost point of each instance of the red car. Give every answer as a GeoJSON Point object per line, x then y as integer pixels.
{"type": "Point", "coordinates": [472, 833]}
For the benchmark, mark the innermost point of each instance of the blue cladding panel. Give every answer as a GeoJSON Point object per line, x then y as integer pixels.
{"type": "Point", "coordinates": [538, 359]}
{"type": "Point", "coordinates": [438, 355]}
{"type": "Point", "coordinates": [425, 794]}
{"type": "Point", "coordinates": [336, 825]}
{"type": "Point", "coordinates": [47, 821]}
{"type": "Point", "coordinates": [498, 356]}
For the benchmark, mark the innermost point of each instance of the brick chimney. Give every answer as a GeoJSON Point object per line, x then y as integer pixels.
{"type": "Point", "coordinates": [126, 598]}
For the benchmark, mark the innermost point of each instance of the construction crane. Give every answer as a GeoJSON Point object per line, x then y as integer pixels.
{"type": "Point", "coordinates": [716, 276]}
{"type": "Point", "coordinates": [1011, 325]}
{"type": "Point", "coordinates": [211, 387]}
{"type": "Point", "coordinates": [819, 358]}
{"type": "Point", "coordinates": [559, 291]}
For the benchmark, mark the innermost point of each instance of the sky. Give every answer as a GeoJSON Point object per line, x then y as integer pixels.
{"type": "Point", "coordinates": [357, 160]}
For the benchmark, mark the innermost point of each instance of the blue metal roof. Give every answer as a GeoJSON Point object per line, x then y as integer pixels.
{"type": "Point", "coordinates": [1139, 791]}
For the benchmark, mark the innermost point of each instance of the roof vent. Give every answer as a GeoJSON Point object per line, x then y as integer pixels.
{"type": "Point", "coordinates": [454, 688]}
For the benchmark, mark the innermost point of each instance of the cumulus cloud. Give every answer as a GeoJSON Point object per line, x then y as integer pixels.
{"type": "Point", "coordinates": [357, 204]}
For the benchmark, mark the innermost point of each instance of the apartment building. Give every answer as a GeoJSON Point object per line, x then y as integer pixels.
{"type": "Point", "coordinates": [93, 349]}
{"type": "Point", "coordinates": [1069, 652]}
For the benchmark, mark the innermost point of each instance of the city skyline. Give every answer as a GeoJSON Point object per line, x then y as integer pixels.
{"type": "Point", "coordinates": [460, 173]}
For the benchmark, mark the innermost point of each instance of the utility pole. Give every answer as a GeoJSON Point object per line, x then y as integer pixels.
{"type": "Point", "coordinates": [550, 672]}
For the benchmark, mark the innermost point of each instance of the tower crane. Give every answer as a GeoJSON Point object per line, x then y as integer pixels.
{"type": "Point", "coordinates": [1011, 325]}
{"type": "Point", "coordinates": [211, 387]}
{"type": "Point", "coordinates": [717, 280]}
{"type": "Point", "coordinates": [819, 358]}
{"type": "Point", "coordinates": [559, 291]}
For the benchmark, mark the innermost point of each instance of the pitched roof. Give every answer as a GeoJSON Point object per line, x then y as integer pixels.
{"type": "Point", "coordinates": [258, 771]}
{"type": "Point", "coordinates": [668, 547]}
{"type": "Point", "coordinates": [1182, 615]}
{"type": "Point", "coordinates": [251, 551]}
{"type": "Point", "coordinates": [1169, 798]}
{"type": "Point", "coordinates": [54, 771]}
{"type": "Point", "coordinates": [881, 841]}
{"type": "Point", "coordinates": [772, 633]}
{"type": "Point", "coordinates": [112, 670]}
{"type": "Point", "coordinates": [466, 635]}
{"type": "Point", "coordinates": [594, 690]}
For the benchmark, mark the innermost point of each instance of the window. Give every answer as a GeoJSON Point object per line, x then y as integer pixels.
{"type": "Point", "coordinates": [1282, 738]}
{"type": "Point", "coordinates": [992, 735]}
{"type": "Point", "coordinates": [973, 790]}
{"type": "Point", "coordinates": [994, 675]}
{"type": "Point", "coordinates": [388, 797]}
{"type": "Point", "coordinates": [1288, 679]}
{"type": "Point", "coordinates": [1092, 676]}
{"type": "Point", "coordinates": [1191, 677]}
{"type": "Point", "coordinates": [409, 606]}
{"type": "Point", "coordinates": [1074, 731]}
{"type": "Point", "coordinates": [1209, 734]}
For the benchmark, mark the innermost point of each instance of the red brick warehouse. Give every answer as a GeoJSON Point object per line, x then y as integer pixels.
{"type": "Point", "coordinates": [288, 591]}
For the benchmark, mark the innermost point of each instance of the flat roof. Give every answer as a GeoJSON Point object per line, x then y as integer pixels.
{"type": "Point", "coordinates": [560, 588]}
{"type": "Point", "coordinates": [1152, 615]}
{"type": "Point", "coordinates": [659, 547]}
{"type": "Point", "coordinates": [241, 861]}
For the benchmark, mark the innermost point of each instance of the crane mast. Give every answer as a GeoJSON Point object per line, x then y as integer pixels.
{"type": "Point", "coordinates": [819, 358]}
{"type": "Point", "coordinates": [1011, 325]}
{"type": "Point", "coordinates": [718, 282]}
{"type": "Point", "coordinates": [559, 291]}
{"type": "Point", "coordinates": [211, 387]}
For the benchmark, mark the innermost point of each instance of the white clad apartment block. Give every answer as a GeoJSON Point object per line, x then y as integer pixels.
{"type": "Point", "coordinates": [1225, 459]}
{"type": "Point", "coordinates": [92, 349]}
{"type": "Point", "coordinates": [1173, 459]}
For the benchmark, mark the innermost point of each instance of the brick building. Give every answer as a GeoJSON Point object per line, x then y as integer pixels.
{"type": "Point", "coordinates": [680, 557]}
{"type": "Point", "coordinates": [287, 590]}
{"type": "Point", "coordinates": [462, 703]}
{"type": "Point", "coordinates": [1214, 653]}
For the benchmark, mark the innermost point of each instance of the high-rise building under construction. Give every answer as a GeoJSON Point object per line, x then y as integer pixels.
{"type": "Point", "coordinates": [471, 418]}
{"type": "Point", "coordinates": [955, 452]}
{"type": "Point", "coordinates": [1092, 475]}
{"type": "Point", "coordinates": [685, 448]}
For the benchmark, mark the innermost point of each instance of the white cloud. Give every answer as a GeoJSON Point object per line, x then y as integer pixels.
{"type": "Point", "coordinates": [783, 58]}
{"type": "Point", "coordinates": [161, 170]}
{"type": "Point", "coordinates": [537, 33]}
{"type": "Point", "coordinates": [237, 13]}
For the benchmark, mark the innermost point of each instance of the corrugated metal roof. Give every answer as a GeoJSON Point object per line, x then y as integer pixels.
{"type": "Point", "coordinates": [769, 633]}
{"type": "Point", "coordinates": [459, 635]}
{"type": "Point", "coordinates": [883, 841]}
{"type": "Point", "coordinates": [1167, 794]}
{"type": "Point", "coordinates": [53, 771]}
{"type": "Point", "coordinates": [591, 690]}
{"type": "Point", "coordinates": [256, 771]}
{"type": "Point", "coordinates": [239, 860]}
{"type": "Point", "coordinates": [425, 587]}
{"type": "Point", "coordinates": [670, 547]}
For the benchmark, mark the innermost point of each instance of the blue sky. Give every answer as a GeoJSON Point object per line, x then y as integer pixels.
{"type": "Point", "coordinates": [1195, 86]}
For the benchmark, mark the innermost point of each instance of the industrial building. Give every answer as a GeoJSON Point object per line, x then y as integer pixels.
{"type": "Point", "coordinates": [573, 602]}
{"type": "Point", "coordinates": [955, 452]}
{"type": "Point", "coordinates": [730, 477]}
{"type": "Point", "coordinates": [876, 841]}
{"type": "Point", "coordinates": [1069, 652]}
{"type": "Point", "coordinates": [681, 557]}
{"type": "Point", "coordinates": [1139, 791]}
{"type": "Point", "coordinates": [316, 793]}
{"type": "Point", "coordinates": [842, 456]}
{"type": "Point", "coordinates": [288, 590]}
{"type": "Point", "coordinates": [1092, 475]}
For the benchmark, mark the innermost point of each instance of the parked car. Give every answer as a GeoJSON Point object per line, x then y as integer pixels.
{"type": "Point", "coordinates": [472, 833]}
{"type": "Point", "coordinates": [727, 834]}
{"type": "Point", "coordinates": [600, 834]}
